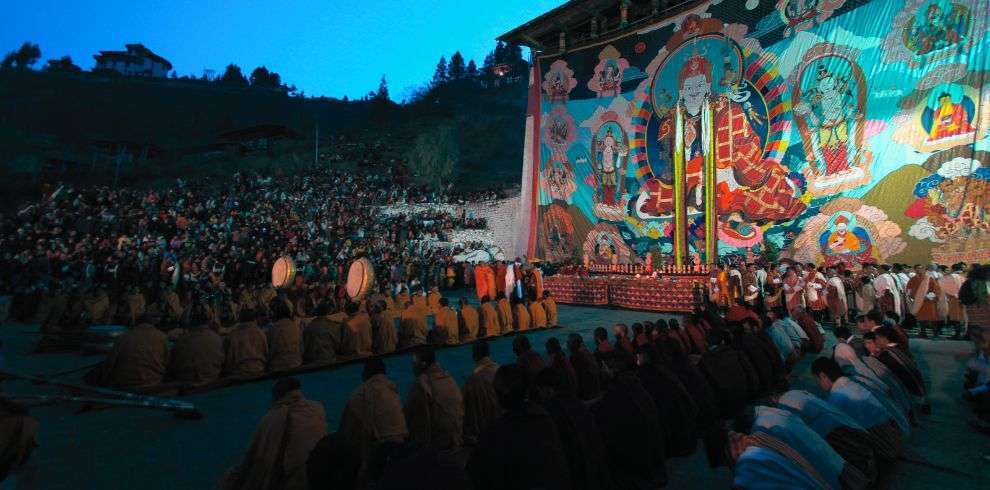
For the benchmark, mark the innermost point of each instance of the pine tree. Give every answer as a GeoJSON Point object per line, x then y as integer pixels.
{"type": "Point", "coordinates": [472, 70]}
{"type": "Point", "coordinates": [440, 75]}
{"type": "Point", "coordinates": [499, 54]}
{"type": "Point", "coordinates": [232, 76]}
{"type": "Point", "coordinates": [382, 93]}
{"type": "Point", "coordinates": [261, 77]}
{"type": "Point", "coordinates": [456, 70]}
{"type": "Point", "coordinates": [514, 58]}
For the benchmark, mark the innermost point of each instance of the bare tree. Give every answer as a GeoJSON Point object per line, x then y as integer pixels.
{"type": "Point", "coordinates": [434, 156]}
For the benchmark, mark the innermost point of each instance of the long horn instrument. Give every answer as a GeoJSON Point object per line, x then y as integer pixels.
{"type": "Point", "coordinates": [123, 395]}
{"type": "Point", "coordinates": [183, 409]}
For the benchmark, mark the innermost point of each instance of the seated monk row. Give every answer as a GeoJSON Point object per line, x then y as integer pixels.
{"type": "Point", "coordinates": [68, 310]}
{"type": "Point", "coordinates": [467, 323]}
{"type": "Point", "coordinates": [142, 358]}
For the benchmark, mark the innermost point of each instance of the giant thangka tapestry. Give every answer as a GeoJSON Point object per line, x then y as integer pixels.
{"type": "Point", "coordinates": [842, 131]}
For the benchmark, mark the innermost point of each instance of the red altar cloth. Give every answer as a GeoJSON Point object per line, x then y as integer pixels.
{"type": "Point", "coordinates": [578, 290]}
{"type": "Point", "coordinates": [671, 293]}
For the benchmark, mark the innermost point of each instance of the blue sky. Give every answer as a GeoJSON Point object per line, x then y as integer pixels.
{"type": "Point", "coordinates": [329, 47]}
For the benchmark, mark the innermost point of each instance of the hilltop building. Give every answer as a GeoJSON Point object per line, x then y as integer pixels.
{"type": "Point", "coordinates": [136, 61]}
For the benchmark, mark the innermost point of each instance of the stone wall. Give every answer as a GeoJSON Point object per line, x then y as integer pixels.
{"type": "Point", "coordinates": [502, 217]}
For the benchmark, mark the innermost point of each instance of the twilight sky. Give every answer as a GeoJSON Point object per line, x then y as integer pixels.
{"type": "Point", "coordinates": [328, 47]}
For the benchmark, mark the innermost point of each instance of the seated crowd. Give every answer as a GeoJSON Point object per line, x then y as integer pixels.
{"type": "Point", "coordinates": [611, 416]}
{"type": "Point", "coordinates": [98, 255]}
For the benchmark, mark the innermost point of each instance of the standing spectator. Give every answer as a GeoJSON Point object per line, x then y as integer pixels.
{"type": "Point", "coordinates": [974, 295]}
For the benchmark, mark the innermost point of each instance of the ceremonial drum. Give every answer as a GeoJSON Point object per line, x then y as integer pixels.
{"type": "Point", "coordinates": [283, 272]}
{"type": "Point", "coordinates": [100, 338]}
{"type": "Point", "coordinates": [360, 279]}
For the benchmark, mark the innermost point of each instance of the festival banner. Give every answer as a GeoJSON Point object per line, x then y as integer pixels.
{"type": "Point", "coordinates": [831, 131]}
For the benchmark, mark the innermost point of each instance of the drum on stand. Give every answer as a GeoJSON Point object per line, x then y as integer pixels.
{"type": "Point", "coordinates": [360, 279]}
{"type": "Point", "coordinates": [283, 272]}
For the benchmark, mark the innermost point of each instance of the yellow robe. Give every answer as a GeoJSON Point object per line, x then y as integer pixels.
{"type": "Point", "coordinates": [489, 320]}
{"type": "Point", "coordinates": [413, 329]}
{"type": "Point", "coordinates": [537, 315]}
{"type": "Point", "coordinates": [469, 323]}
{"type": "Point", "coordinates": [504, 316]}
{"type": "Point", "coordinates": [551, 308]}
{"type": "Point", "coordinates": [521, 316]}
{"type": "Point", "coordinates": [435, 410]}
{"type": "Point", "coordinates": [285, 436]}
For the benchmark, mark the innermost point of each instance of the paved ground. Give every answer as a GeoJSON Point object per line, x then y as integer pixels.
{"type": "Point", "coordinates": [133, 448]}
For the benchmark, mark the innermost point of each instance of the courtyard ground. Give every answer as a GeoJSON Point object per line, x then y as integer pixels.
{"type": "Point", "coordinates": [142, 449]}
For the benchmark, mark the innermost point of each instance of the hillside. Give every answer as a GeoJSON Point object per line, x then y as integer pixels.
{"type": "Point", "coordinates": [491, 123]}
{"type": "Point", "coordinates": [72, 127]}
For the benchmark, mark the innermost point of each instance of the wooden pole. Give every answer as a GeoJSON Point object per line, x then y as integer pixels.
{"type": "Point", "coordinates": [711, 219]}
{"type": "Point", "coordinates": [680, 213]}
